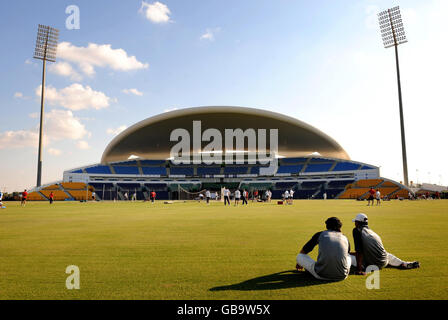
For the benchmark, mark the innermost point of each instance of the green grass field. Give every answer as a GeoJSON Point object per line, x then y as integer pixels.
{"type": "Point", "coordinates": [193, 251]}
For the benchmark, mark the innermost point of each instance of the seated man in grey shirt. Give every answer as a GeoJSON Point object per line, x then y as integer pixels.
{"type": "Point", "coordinates": [370, 250]}
{"type": "Point", "coordinates": [333, 261]}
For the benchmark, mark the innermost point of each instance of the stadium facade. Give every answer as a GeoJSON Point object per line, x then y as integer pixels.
{"type": "Point", "coordinates": [140, 160]}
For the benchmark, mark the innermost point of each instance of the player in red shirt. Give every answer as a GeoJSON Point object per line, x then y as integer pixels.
{"type": "Point", "coordinates": [24, 196]}
{"type": "Point", "coordinates": [371, 196]}
{"type": "Point", "coordinates": [153, 196]}
{"type": "Point", "coordinates": [51, 196]}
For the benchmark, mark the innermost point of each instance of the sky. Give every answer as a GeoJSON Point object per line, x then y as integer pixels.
{"type": "Point", "coordinates": [322, 62]}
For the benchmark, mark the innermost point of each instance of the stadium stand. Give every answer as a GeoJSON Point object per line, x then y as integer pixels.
{"type": "Point", "coordinates": [318, 167]}
{"type": "Point", "coordinates": [157, 171]}
{"type": "Point", "coordinates": [292, 169]}
{"type": "Point", "coordinates": [367, 183]}
{"type": "Point", "coordinates": [58, 194]}
{"type": "Point", "coordinates": [35, 196]}
{"type": "Point", "coordinates": [346, 166]}
{"type": "Point", "coordinates": [355, 193]}
{"type": "Point", "coordinates": [293, 160]}
{"type": "Point", "coordinates": [182, 171]}
{"type": "Point", "coordinates": [99, 170]}
{"type": "Point", "coordinates": [126, 170]}
{"type": "Point", "coordinates": [204, 171]}
{"type": "Point", "coordinates": [232, 170]}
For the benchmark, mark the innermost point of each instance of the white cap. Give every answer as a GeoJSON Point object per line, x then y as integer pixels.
{"type": "Point", "coordinates": [361, 217]}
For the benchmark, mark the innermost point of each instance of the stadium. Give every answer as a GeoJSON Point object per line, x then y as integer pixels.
{"type": "Point", "coordinates": [139, 161]}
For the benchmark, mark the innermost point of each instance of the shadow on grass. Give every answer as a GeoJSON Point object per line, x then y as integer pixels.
{"type": "Point", "coordinates": [280, 280]}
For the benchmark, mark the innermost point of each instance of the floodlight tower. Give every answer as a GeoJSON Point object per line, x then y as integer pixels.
{"type": "Point", "coordinates": [46, 46]}
{"type": "Point", "coordinates": [392, 32]}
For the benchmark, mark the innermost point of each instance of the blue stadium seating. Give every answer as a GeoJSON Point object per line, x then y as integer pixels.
{"type": "Point", "coordinates": [99, 170]}
{"type": "Point", "coordinates": [346, 166]}
{"type": "Point", "coordinates": [290, 169]}
{"type": "Point", "coordinates": [152, 162]}
{"type": "Point", "coordinates": [236, 170]}
{"type": "Point", "coordinates": [202, 171]}
{"type": "Point", "coordinates": [293, 160]}
{"type": "Point", "coordinates": [126, 163]}
{"type": "Point", "coordinates": [126, 170]}
{"type": "Point", "coordinates": [187, 171]}
{"type": "Point", "coordinates": [367, 167]}
{"type": "Point", "coordinates": [77, 171]}
{"type": "Point", "coordinates": [321, 167]}
{"type": "Point", "coordinates": [320, 160]}
{"type": "Point", "coordinates": [160, 171]}
{"type": "Point", "coordinates": [254, 170]}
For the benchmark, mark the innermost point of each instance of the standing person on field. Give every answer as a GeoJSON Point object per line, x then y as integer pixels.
{"type": "Point", "coordinates": [207, 196]}
{"type": "Point", "coordinates": [1, 199]}
{"type": "Point", "coordinates": [153, 196]}
{"type": "Point", "coordinates": [24, 196]}
{"type": "Point", "coordinates": [333, 261]}
{"type": "Point", "coordinates": [286, 196]}
{"type": "Point", "coordinates": [378, 197]}
{"type": "Point", "coordinates": [291, 196]}
{"type": "Point", "coordinates": [226, 196]}
{"type": "Point", "coordinates": [325, 196]}
{"type": "Point", "coordinates": [51, 197]}
{"type": "Point", "coordinates": [237, 197]}
{"type": "Point", "coordinates": [370, 250]}
{"type": "Point", "coordinates": [244, 197]}
{"type": "Point", "coordinates": [371, 197]}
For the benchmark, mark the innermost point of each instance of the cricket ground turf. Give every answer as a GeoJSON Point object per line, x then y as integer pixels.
{"type": "Point", "coordinates": [138, 250]}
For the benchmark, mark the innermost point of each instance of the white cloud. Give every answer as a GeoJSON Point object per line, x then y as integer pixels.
{"type": "Point", "coordinates": [59, 125]}
{"type": "Point", "coordinates": [18, 95]}
{"type": "Point", "coordinates": [133, 91]}
{"type": "Point", "coordinates": [54, 152]}
{"type": "Point", "coordinates": [95, 55]}
{"type": "Point", "coordinates": [116, 131]}
{"type": "Point", "coordinates": [156, 12]}
{"type": "Point", "coordinates": [18, 139]}
{"type": "Point", "coordinates": [210, 34]}
{"type": "Point", "coordinates": [66, 70]}
{"type": "Point", "coordinates": [83, 145]}
{"type": "Point", "coordinates": [75, 97]}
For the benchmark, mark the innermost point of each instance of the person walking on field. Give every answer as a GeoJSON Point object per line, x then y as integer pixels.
{"type": "Point", "coordinates": [370, 250]}
{"type": "Point", "coordinates": [24, 196]}
{"type": "Point", "coordinates": [333, 261]}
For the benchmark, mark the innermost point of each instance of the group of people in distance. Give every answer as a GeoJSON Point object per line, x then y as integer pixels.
{"type": "Point", "coordinates": [335, 259]}
{"type": "Point", "coordinates": [374, 194]}
{"type": "Point", "coordinates": [288, 196]}
{"type": "Point", "coordinates": [238, 196]}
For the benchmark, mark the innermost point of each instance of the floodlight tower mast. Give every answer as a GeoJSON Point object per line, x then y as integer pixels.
{"type": "Point", "coordinates": [392, 32]}
{"type": "Point", "coordinates": [46, 47]}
